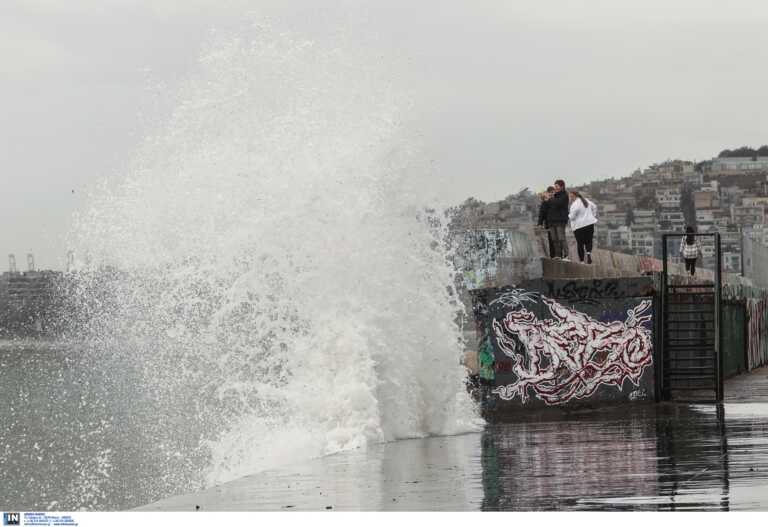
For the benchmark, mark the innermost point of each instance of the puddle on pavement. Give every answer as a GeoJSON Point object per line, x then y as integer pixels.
{"type": "Point", "coordinates": [654, 457]}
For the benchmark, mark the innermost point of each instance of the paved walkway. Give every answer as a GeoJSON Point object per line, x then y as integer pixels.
{"type": "Point", "coordinates": [750, 387]}
{"type": "Point", "coordinates": [668, 456]}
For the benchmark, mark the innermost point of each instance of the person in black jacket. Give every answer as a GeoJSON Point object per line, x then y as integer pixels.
{"type": "Point", "coordinates": [543, 210]}
{"type": "Point", "coordinates": [557, 219]}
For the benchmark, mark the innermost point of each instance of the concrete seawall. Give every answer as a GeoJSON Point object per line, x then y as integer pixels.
{"type": "Point", "coordinates": [569, 335]}
{"type": "Point", "coordinates": [496, 257]}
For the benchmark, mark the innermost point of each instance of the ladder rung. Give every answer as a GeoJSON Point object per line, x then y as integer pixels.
{"type": "Point", "coordinates": [690, 312]}
{"type": "Point", "coordinates": [692, 358]}
{"type": "Point", "coordinates": [679, 327]}
{"type": "Point", "coordinates": [678, 333]}
{"type": "Point", "coordinates": [689, 347]}
{"type": "Point", "coordinates": [684, 336]}
{"type": "Point", "coordinates": [675, 298]}
{"type": "Point", "coordinates": [701, 359]}
{"type": "Point", "coordinates": [681, 362]}
{"type": "Point", "coordinates": [690, 373]}
{"type": "Point", "coordinates": [682, 371]}
{"type": "Point", "coordinates": [676, 336]}
{"type": "Point", "coordinates": [698, 321]}
{"type": "Point", "coordinates": [703, 332]}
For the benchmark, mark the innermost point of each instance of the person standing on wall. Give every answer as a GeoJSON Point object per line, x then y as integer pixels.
{"type": "Point", "coordinates": [583, 217]}
{"type": "Point", "coordinates": [690, 249]}
{"type": "Point", "coordinates": [543, 211]}
{"type": "Point", "coordinates": [557, 219]}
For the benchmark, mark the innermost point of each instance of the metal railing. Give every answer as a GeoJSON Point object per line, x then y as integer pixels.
{"type": "Point", "coordinates": [717, 290]}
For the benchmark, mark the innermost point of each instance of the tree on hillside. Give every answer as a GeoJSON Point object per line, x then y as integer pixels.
{"type": "Point", "coordinates": [630, 217]}
{"type": "Point", "coordinates": [744, 151]}
{"type": "Point", "coordinates": [471, 203]}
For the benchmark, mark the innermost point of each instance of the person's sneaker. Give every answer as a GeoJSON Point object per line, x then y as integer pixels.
{"type": "Point", "coordinates": [589, 258]}
{"type": "Point", "coordinates": [566, 259]}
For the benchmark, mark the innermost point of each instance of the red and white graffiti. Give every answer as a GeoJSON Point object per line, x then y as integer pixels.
{"type": "Point", "coordinates": [571, 355]}
{"type": "Point", "coordinates": [757, 351]}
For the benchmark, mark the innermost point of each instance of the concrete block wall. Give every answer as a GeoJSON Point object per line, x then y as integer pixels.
{"type": "Point", "coordinates": [520, 252]}
{"type": "Point", "coordinates": [568, 343]}
{"type": "Point", "coordinates": [526, 264]}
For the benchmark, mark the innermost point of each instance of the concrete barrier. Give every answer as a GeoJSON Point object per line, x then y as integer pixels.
{"type": "Point", "coordinates": [734, 338]}
{"type": "Point", "coordinates": [554, 297]}
{"type": "Point", "coordinates": [519, 252]}
{"type": "Point", "coordinates": [568, 343]}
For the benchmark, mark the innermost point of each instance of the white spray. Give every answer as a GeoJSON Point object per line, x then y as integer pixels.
{"type": "Point", "coordinates": [277, 280]}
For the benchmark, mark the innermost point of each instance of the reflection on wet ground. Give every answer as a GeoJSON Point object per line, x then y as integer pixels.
{"type": "Point", "coordinates": [641, 457]}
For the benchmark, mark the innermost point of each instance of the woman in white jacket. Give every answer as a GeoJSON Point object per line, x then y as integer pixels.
{"type": "Point", "coordinates": [582, 215]}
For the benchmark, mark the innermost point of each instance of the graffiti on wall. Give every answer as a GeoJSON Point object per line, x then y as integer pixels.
{"type": "Point", "coordinates": [570, 355]}
{"type": "Point", "coordinates": [584, 291]}
{"type": "Point", "coordinates": [757, 349]}
{"type": "Point", "coordinates": [477, 255]}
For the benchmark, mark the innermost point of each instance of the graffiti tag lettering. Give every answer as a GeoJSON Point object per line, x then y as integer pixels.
{"type": "Point", "coordinates": [571, 355]}
{"type": "Point", "coordinates": [580, 291]}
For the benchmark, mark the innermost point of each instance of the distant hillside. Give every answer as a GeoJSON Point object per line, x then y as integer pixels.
{"type": "Point", "coordinates": [515, 208]}
{"type": "Point", "coordinates": [745, 151]}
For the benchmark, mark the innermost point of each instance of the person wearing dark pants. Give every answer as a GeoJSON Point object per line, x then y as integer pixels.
{"type": "Point", "coordinates": [584, 238]}
{"type": "Point", "coordinates": [583, 217]}
{"type": "Point", "coordinates": [690, 249]}
{"type": "Point", "coordinates": [690, 265]}
{"type": "Point", "coordinates": [559, 243]}
{"type": "Point", "coordinates": [543, 209]}
{"type": "Point", "coordinates": [557, 219]}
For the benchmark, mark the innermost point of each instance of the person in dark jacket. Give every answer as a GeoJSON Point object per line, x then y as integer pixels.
{"type": "Point", "coordinates": [557, 219]}
{"type": "Point", "coordinates": [543, 208]}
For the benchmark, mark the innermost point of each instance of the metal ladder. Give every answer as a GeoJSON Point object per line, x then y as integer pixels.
{"type": "Point", "coordinates": [691, 366]}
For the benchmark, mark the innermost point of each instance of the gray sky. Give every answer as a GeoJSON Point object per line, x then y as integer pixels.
{"type": "Point", "coordinates": [507, 93]}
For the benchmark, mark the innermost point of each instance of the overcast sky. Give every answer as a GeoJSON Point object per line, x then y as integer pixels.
{"type": "Point", "coordinates": [506, 94]}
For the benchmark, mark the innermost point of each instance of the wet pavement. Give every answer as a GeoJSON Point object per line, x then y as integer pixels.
{"type": "Point", "coordinates": [669, 456]}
